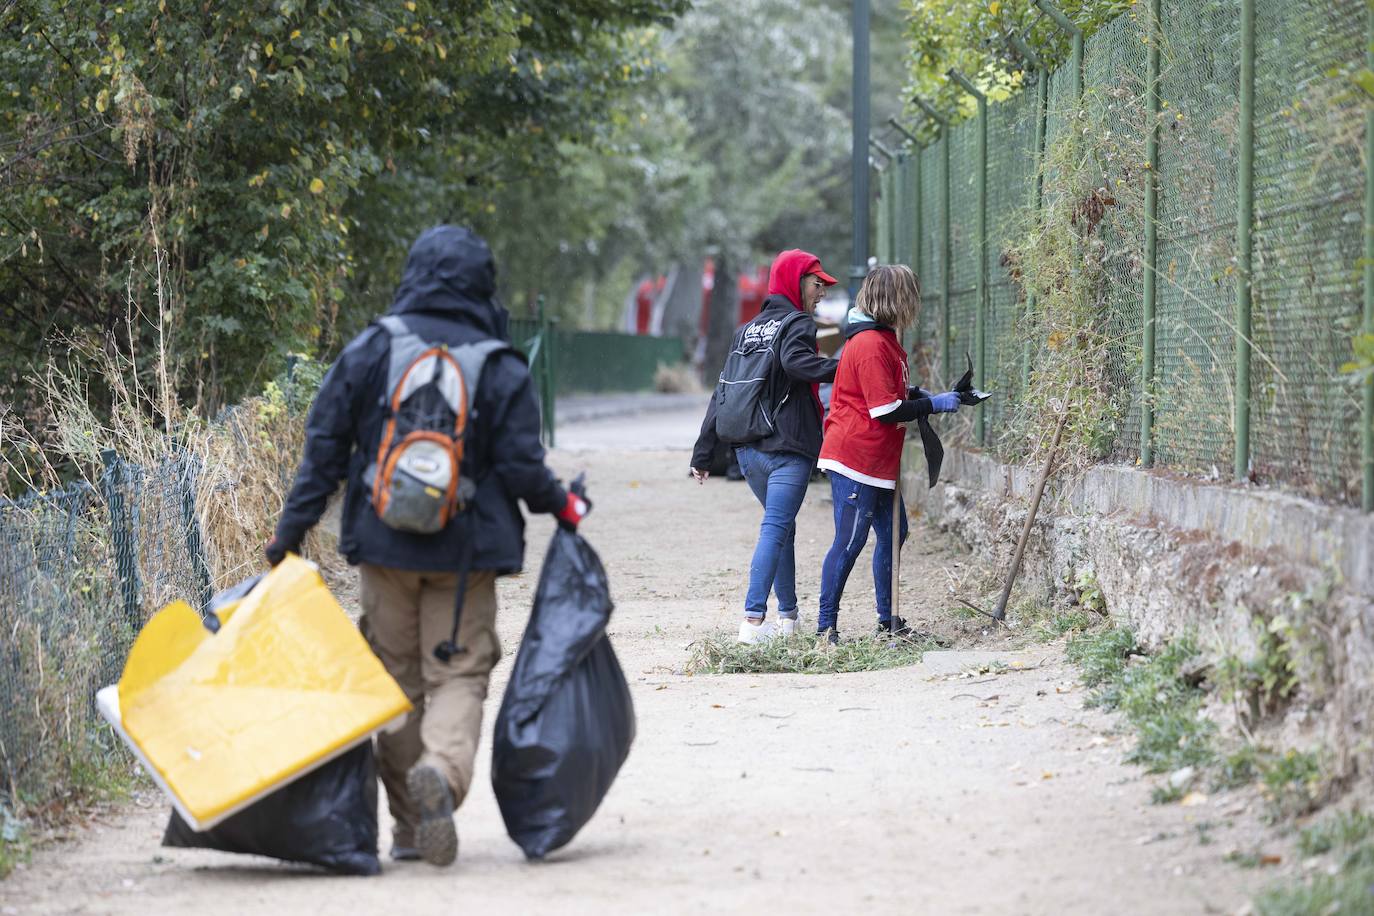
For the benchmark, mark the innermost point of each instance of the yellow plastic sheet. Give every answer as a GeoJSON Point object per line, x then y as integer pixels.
{"type": "Point", "coordinates": [287, 683]}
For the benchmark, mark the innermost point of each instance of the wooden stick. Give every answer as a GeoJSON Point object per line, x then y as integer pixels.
{"type": "Point", "coordinates": [896, 544]}
{"type": "Point", "coordinates": [1000, 612]}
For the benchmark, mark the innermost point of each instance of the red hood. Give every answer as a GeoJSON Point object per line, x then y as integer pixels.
{"type": "Point", "coordinates": [784, 277]}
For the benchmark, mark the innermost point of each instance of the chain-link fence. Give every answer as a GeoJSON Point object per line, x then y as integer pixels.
{"type": "Point", "coordinates": [81, 569]}
{"type": "Point", "coordinates": [1183, 408]}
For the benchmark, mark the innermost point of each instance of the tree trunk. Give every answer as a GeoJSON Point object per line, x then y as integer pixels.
{"type": "Point", "coordinates": [724, 318]}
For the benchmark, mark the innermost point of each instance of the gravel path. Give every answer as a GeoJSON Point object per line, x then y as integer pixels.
{"type": "Point", "coordinates": [927, 789]}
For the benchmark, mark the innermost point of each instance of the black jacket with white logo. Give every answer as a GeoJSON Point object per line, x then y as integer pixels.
{"type": "Point", "coordinates": [797, 421]}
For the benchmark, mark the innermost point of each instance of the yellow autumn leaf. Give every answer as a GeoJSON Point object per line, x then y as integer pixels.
{"type": "Point", "coordinates": [410, 5]}
{"type": "Point", "coordinates": [994, 7]}
{"type": "Point", "coordinates": [316, 186]}
{"type": "Point", "coordinates": [295, 34]}
{"type": "Point", "coordinates": [269, 49]}
{"type": "Point", "coordinates": [285, 211]}
{"type": "Point", "coordinates": [102, 101]}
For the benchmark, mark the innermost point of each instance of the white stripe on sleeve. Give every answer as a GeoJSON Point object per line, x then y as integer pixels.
{"type": "Point", "coordinates": [876, 412]}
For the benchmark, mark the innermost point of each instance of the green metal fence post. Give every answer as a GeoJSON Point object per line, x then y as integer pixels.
{"type": "Point", "coordinates": [981, 318]}
{"type": "Point", "coordinates": [551, 381]}
{"type": "Point", "coordinates": [946, 245]}
{"type": "Point", "coordinates": [1367, 430]}
{"type": "Point", "coordinates": [1147, 340]}
{"type": "Point", "coordinates": [917, 205]}
{"type": "Point", "coordinates": [913, 246]}
{"type": "Point", "coordinates": [543, 369]}
{"type": "Point", "coordinates": [1037, 191]}
{"type": "Point", "coordinates": [1245, 214]}
{"type": "Point", "coordinates": [1070, 28]}
{"type": "Point", "coordinates": [123, 535]}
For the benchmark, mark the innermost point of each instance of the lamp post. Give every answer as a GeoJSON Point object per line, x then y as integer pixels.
{"type": "Point", "coordinates": [859, 149]}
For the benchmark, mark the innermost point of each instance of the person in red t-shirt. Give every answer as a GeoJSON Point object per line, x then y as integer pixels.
{"type": "Point", "coordinates": [863, 437]}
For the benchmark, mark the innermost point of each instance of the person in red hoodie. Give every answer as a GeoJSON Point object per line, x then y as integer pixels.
{"type": "Point", "coordinates": [778, 466]}
{"type": "Point", "coordinates": [863, 438]}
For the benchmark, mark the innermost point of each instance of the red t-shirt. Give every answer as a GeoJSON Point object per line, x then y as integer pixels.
{"type": "Point", "coordinates": [871, 381]}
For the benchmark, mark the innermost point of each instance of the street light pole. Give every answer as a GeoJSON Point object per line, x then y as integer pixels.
{"type": "Point", "coordinates": [859, 151]}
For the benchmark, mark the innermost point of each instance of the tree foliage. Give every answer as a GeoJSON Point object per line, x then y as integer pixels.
{"type": "Point", "coordinates": [972, 36]}
{"type": "Point", "coordinates": [254, 170]}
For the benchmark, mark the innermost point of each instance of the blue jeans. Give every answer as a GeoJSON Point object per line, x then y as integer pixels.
{"type": "Point", "coordinates": [778, 480]}
{"type": "Point", "coordinates": [858, 507]}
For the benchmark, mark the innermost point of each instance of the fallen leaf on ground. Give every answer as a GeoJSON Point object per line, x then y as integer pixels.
{"type": "Point", "coordinates": [1193, 799]}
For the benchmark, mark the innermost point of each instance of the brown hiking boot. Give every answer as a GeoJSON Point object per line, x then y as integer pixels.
{"type": "Point", "coordinates": [436, 835]}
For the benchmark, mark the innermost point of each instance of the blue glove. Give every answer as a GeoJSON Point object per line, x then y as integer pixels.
{"type": "Point", "coordinates": [945, 403]}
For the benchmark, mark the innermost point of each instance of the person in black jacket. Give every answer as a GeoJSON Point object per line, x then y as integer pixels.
{"type": "Point", "coordinates": [778, 467]}
{"type": "Point", "coordinates": [409, 582]}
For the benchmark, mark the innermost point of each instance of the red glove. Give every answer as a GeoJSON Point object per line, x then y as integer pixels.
{"type": "Point", "coordinates": [573, 512]}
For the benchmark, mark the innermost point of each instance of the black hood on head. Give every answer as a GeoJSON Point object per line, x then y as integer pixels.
{"type": "Point", "coordinates": [450, 272]}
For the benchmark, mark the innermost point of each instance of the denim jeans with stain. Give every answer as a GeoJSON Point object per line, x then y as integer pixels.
{"type": "Point", "coordinates": [778, 480]}
{"type": "Point", "coordinates": [858, 507]}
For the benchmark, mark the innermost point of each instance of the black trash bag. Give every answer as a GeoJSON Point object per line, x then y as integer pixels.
{"type": "Point", "coordinates": [327, 817]}
{"type": "Point", "coordinates": [566, 720]}
{"type": "Point", "coordinates": [968, 395]}
{"type": "Point", "coordinates": [930, 440]}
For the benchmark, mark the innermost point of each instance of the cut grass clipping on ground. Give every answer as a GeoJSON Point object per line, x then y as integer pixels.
{"type": "Point", "coordinates": [804, 655]}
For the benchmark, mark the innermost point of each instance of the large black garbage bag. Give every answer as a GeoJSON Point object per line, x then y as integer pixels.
{"type": "Point", "coordinates": [566, 721]}
{"type": "Point", "coordinates": [327, 817]}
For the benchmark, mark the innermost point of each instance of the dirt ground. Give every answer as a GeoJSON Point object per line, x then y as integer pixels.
{"type": "Point", "coordinates": [929, 789]}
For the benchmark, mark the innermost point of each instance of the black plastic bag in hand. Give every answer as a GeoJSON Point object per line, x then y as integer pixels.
{"type": "Point", "coordinates": [566, 720]}
{"type": "Point", "coordinates": [327, 817]}
{"type": "Point", "coordinates": [964, 387]}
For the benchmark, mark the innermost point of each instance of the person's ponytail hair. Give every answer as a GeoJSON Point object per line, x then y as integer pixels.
{"type": "Point", "coordinates": [890, 295]}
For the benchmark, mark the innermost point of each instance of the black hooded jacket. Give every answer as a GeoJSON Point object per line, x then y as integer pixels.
{"type": "Point", "coordinates": [798, 418]}
{"type": "Point", "coordinates": [446, 295]}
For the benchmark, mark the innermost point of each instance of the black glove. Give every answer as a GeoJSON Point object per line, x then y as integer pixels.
{"type": "Point", "coordinates": [276, 550]}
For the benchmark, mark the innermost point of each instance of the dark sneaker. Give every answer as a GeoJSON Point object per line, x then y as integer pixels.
{"type": "Point", "coordinates": [404, 853]}
{"type": "Point", "coordinates": [830, 635]}
{"type": "Point", "coordinates": [438, 840]}
{"type": "Point", "coordinates": [885, 626]}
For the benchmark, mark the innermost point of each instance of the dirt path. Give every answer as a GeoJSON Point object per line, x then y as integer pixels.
{"type": "Point", "coordinates": [911, 790]}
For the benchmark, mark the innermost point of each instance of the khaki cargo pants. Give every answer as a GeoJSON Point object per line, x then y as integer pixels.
{"type": "Point", "coordinates": [405, 615]}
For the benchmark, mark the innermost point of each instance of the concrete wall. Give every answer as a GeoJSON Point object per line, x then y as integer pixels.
{"type": "Point", "coordinates": [1175, 555]}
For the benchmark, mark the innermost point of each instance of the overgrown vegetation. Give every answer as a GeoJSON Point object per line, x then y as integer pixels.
{"type": "Point", "coordinates": [803, 654]}
{"type": "Point", "coordinates": [1162, 699]}
{"type": "Point", "coordinates": [972, 36]}
{"type": "Point", "coordinates": [66, 622]}
{"type": "Point", "coordinates": [1158, 700]}
{"type": "Point", "coordinates": [1347, 887]}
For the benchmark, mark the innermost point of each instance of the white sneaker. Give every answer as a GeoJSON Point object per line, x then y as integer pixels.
{"type": "Point", "coordinates": [787, 626]}
{"type": "Point", "coordinates": [749, 634]}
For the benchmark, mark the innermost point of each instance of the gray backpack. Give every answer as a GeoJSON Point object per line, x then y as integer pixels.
{"type": "Point", "coordinates": [748, 385]}
{"type": "Point", "coordinates": [414, 482]}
